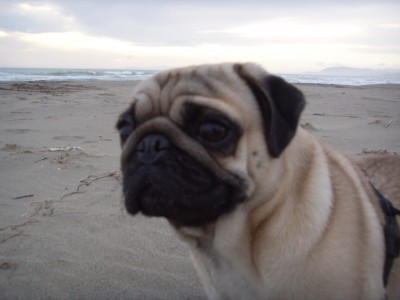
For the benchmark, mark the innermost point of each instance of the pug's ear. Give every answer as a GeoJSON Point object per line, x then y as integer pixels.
{"type": "Point", "coordinates": [280, 104]}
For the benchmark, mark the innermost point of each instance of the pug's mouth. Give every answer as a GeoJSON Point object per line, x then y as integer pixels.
{"type": "Point", "coordinates": [179, 189]}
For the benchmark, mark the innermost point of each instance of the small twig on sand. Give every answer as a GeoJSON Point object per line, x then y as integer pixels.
{"type": "Point", "coordinates": [70, 194]}
{"type": "Point", "coordinates": [388, 124]}
{"type": "Point", "coordinates": [92, 178]}
{"type": "Point", "coordinates": [89, 180]}
{"type": "Point", "coordinates": [15, 227]}
{"type": "Point", "coordinates": [36, 161]}
{"type": "Point", "coordinates": [25, 196]}
{"type": "Point", "coordinates": [11, 236]}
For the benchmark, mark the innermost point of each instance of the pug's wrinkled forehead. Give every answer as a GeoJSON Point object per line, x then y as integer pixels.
{"type": "Point", "coordinates": [168, 93]}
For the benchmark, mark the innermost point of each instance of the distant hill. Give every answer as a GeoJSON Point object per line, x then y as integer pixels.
{"type": "Point", "coordinates": [359, 72]}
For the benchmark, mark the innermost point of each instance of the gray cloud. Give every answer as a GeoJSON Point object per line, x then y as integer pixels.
{"type": "Point", "coordinates": [185, 22]}
{"type": "Point", "coordinates": [156, 23]}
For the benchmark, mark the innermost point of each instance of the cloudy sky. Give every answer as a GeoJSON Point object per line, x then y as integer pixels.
{"type": "Point", "coordinates": [282, 35]}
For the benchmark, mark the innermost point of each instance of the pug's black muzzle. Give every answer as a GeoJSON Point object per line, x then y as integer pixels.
{"type": "Point", "coordinates": [162, 180]}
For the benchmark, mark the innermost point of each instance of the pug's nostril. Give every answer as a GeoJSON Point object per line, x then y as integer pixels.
{"type": "Point", "coordinates": [151, 146]}
{"type": "Point", "coordinates": [161, 143]}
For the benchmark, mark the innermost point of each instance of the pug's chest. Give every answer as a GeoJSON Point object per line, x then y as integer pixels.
{"type": "Point", "coordinates": [224, 279]}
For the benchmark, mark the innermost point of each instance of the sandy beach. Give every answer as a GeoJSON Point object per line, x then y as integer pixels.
{"type": "Point", "coordinates": [64, 233]}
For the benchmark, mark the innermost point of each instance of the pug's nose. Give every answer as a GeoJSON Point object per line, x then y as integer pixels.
{"type": "Point", "coordinates": [152, 147]}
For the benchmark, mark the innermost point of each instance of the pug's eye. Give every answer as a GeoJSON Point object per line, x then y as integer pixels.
{"type": "Point", "coordinates": [125, 131]}
{"type": "Point", "coordinates": [212, 131]}
{"type": "Point", "coordinates": [125, 128]}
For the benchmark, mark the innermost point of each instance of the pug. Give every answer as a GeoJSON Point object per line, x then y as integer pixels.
{"type": "Point", "coordinates": [268, 211]}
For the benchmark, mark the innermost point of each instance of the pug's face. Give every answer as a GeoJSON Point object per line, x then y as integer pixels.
{"type": "Point", "coordinates": [197, 141]}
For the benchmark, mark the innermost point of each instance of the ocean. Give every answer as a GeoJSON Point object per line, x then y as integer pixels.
{"type": "Point", "coordinates": [36, 74]}
{"type": "Point", "coordinates": [33, 74]}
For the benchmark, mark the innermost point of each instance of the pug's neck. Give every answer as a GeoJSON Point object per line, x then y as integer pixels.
{"type": "Point", "coordinates": [269, 227]}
